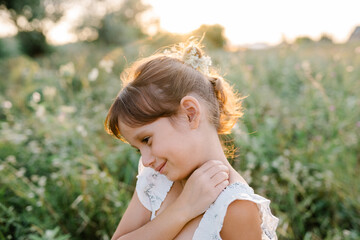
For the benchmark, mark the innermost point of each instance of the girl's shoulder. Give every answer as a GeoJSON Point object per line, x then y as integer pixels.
{"type": "Point", "coordinates": [214, 217]}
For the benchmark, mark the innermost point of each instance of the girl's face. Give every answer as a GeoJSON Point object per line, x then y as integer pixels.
{"type": "Point", "coordinates": [167, 147]}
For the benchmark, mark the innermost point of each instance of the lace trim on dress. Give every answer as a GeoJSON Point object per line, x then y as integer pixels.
{"type": "Point", "coordinates": [213, 219]}
{"type": "Point", "coordinates": [152, 188]}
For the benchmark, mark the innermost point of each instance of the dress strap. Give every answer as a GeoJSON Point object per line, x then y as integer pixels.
{"type": "Point", "coordinates": [213, 219]}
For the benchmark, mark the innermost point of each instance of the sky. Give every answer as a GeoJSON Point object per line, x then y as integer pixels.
{"type": "Point", "coordinates": [245, 22]}
{"type": "Point", "coordinates": [262, 21]}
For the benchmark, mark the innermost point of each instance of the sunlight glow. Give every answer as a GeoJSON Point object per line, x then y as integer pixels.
{"type": "Point", "coordinates": [260, 20]}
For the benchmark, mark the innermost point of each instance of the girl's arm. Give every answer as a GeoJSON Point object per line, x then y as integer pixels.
{"type": "Point", "coordinates": [242, 222]}
{"type": "Point", "coordinates": [201, 189]}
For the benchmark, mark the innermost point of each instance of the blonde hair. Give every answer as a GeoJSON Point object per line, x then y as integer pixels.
{"type": "Point", "coordinates": [153, 87]}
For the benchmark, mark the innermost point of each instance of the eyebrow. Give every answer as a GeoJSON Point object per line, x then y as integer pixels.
{"type": "Point", "coordinates": [138, 138]}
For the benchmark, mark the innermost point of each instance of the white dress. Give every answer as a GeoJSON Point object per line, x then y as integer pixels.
{"type": "Point", "coordinates": [152, 188]}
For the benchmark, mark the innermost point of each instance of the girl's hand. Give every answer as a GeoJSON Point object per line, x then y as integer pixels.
{"type": "Point", "coordinates": [203, 187]}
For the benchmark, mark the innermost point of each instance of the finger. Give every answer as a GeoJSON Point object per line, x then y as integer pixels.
{"type": "Point", "coordinates": [221, 186]}
{"type": "Point", "coordinates": [209, 164]}
{"type": "Point", "coordinates": [211, 172]}
{"type": "Point", "coordinates": [218, 178]}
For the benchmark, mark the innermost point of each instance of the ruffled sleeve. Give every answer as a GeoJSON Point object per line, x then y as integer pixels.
{"type": "Point", "coordinates": [151, 188]}
{"type": "Point", "coordinates": [213, 219]}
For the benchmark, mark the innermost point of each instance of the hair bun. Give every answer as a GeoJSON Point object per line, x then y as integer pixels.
{"type": "Point", "coordinates": [192, 55]}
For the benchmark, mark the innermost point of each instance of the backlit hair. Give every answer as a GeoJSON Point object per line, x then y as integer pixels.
{"type": "Point", "coordinates": [153, 88]}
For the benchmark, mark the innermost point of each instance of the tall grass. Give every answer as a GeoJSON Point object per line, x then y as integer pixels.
{"type": "Point", "coordinates": [62, 177]}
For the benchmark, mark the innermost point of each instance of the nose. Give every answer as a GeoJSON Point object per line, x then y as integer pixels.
{"type": "Point", "coordinates": [147, 159]}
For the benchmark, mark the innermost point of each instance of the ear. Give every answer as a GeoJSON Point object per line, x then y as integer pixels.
{"type": "Point", "coordinates": [192, 109]}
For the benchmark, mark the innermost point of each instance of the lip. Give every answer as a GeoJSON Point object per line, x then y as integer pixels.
{"type": "Point", "coordinates": [161, 167]}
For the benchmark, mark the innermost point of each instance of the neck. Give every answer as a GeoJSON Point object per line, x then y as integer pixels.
{"type": "Point", "coordinates": [214, 152]}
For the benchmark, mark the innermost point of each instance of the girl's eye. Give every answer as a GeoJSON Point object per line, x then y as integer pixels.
{"type": "Point", "coordinates": [145, 140]}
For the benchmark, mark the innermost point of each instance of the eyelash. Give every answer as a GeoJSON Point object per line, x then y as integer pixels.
{"type": "Point", "coordinates": [145, 140]}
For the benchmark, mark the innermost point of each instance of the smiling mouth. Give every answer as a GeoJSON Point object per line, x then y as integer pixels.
{"type": "Point", "coordinates": [161, 167]}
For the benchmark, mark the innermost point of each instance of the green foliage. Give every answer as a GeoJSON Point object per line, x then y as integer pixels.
{"type": "Point", "coordinates": [3, 49]}
{"type": "Point", "coordinates": [303, 40]}
{"type": "Point", "coordinates": [326, 39]}
{"type": "Point", "coordinates": [115, 30]}
{"type": "Point", "coordinates": [31, 9]}
{"type": "Point", "coordinates": [63, 177]}
{"type": "Point", "coordinates": [49, 235]}
{"type": "Point", "coordinates": [9, 47]}
{"type": "Point", "coordinates": [123, 27]}
{"type": "Point", "coordinates": [33, 43]}
{"type": "Point", "coordinates": [31, 14]}
{"type": "Point", "coordinates": [214, 35]}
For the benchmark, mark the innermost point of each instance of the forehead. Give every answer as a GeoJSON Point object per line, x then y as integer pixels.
{"type": "Point", "coordinates": [130, 133]}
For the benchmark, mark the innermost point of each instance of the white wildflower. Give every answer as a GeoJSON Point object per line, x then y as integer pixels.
{"type": "Point", "coordinates": [90, 172]}
{"type": "Point", "coordinates": [28, 132]}
{"type": "Point", "coordinates": [56, 162]}
{"type": "Point", "coordinates": [11, 159]}
{"type": "Point", "coordinates": [21, 172]}
{"type": "Point", "coordinates": [80, 129]}
{"type": "Point", "coordinates": [39, 204]}
{"type": "Point", "coordinates": [1, 167]}
{"type": "Point", "coordinates": [93, 74]}
{"type": "Point", "coordinates": [29, 208]}
{"type": "Point", "coordinates": [67, 70]}
{"type": "Point", "coordinates": [67, 109]}
{"type": "Point", "coordinates": [357, 50]}
{"type": "Point", "coordinates": [287, 152]}
{"type": "Point", "coordinates": [34, 178]}
{"type": "Point", "coordinates": [265, 178]}
{"type": "Point", "coordinates": [17, 138]}
{"type": "Point", "coordinates": [107, 65]}
{"type": "Point", "coordinates": [349, 68]}
{"type": "Point", "coordinates": [40, 191]}
{"type": "Point", "coordinates": [7, 104]}
{"type": "Point", "coordinates": [34, 147]}
{"type": "Point", "coordinates": [42, 181]}
{"type": "Point", "coordinates": [298, 167]}
{"type": "Point", "coordinates": [305, 65]}
{"type": "Point", "coordinates": [40, 111]}
{"type": "Point", "coordinates": [102, 175]}
{"type": "Point", "coordinates": [31, 195]}
{"type": "Point", "coordinates": [49, 92]}
{"type": "Point", "coordinates": [54, 175]}
{"type": "Point", "coordinates": [36, 97]}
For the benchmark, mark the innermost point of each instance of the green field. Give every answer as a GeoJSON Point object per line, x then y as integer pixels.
{"type": "Point", "coordinates": [298, 144]}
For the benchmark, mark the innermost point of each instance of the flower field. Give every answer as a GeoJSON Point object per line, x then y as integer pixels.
{"type": "Point", "coordinates": [62, 177]}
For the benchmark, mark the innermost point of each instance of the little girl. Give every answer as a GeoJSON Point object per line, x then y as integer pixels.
{"type": "Point", "coordinates": [172, 108]}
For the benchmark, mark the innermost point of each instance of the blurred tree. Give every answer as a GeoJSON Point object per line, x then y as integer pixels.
{"type": "Point", "coordinates": [303, 40]}
{"type": "Point", "coordinates": [3, 49]}
{"type": "Point", "coordinates": [33, 43]}
{"type": "Point", "coordinates": [116, 29]}
{"type": "Point", "coordinates": [29, 17]}
{"type": "Point", "coordinates": [325, 38]}
{"type": "Point", "coordinates": [119, 26]}
{"type": "Point", "coordinates": [214, 35]}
